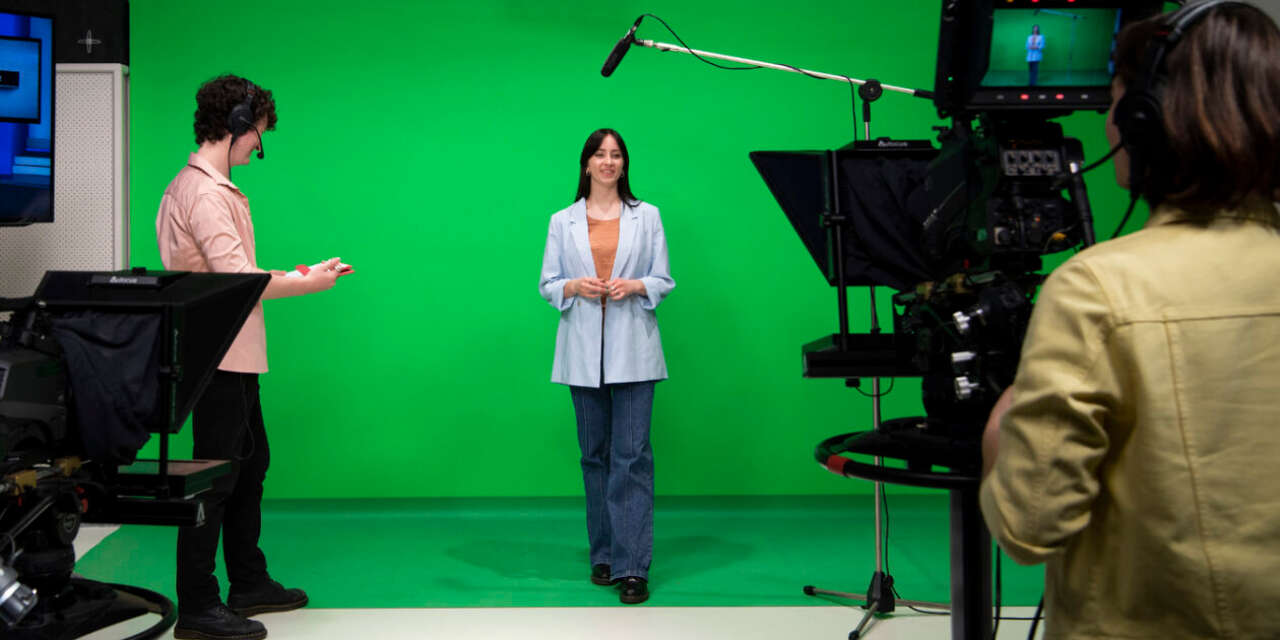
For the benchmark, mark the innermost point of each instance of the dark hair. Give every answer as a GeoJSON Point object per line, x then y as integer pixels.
{"type": "Point", "coordinates": [1220, 96]}
{"type": "Point", "coordinates": [624, 179]}
{"type": "Point", "coordinates": [216, 98]}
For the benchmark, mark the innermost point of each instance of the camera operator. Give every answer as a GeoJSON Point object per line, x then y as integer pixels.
{"type": "Point", "coordinates": [1136, 451]}
{"type": "Point", "coordinates": [204, 225]}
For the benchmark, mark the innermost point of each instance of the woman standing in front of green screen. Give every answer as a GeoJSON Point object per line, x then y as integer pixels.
{"type": "Point", "coordinates": [1035, 51]}
{"type": "Point", "coordinates": [605, 269]}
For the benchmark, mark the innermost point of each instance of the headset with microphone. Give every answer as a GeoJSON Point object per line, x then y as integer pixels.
{"type": "Point", "coordinates": [240, 120]}
{"type": "Point", "coordinates": [1139, 115]}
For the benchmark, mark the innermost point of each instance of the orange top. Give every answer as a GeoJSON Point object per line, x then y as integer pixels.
{"type": "Point", "coordinates": [203, 225]}
{"type": "Point", "coordinates": [604, 244]}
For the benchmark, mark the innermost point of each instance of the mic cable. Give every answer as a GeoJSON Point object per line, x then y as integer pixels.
{"type": "Point", "coordinates": [1061, 181]}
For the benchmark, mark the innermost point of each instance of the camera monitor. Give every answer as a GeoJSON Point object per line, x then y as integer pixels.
{"type": "Point", "coordinates": [26, 118]}
{"type": "Point", "coordinates": [1037, 55]}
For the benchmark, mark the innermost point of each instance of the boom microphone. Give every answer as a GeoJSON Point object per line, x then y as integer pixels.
{"type": "Point", "coordinates": [620, 50]}
{"type": "Point", "coordinates": [254, 127]}
{"type": "Point", "coordinates": [261, 153]}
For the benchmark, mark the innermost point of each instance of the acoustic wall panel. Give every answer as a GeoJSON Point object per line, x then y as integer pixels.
{"type": "Point", "coordinates": [90, 207]}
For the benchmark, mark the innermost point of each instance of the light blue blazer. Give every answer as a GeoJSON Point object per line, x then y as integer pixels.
{"type": "Point", "coordinates": [632, 346]}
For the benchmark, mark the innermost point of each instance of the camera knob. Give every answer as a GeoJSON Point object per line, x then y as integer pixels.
{"type": "Point", "coordinates": [965, 387]}
{"type": "Point", "coordinates": [18, 599]}
{"type": "Point", "coordinates": [960, 360]}
{"type": "Point", "coordinates": [965, 319]}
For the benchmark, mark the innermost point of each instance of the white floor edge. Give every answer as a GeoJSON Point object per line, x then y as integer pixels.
{"type": "Point", "coordinates": [591, 623]}
{"type": "Point", "coordinates": [583, 623]}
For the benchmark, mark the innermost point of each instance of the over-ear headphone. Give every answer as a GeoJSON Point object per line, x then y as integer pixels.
{"type": "Point", "coordinates": [1139, 115]}
{"type": "Point", "coordinates": [240, 120]}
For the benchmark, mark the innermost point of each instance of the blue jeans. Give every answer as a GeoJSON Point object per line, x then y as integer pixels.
{"type": "Point", "coordinates": [1033, 72]}
{"type": "Point", "coordinates": [617, 472]}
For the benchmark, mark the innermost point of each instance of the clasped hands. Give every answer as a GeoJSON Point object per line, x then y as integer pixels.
{"type": "Point", "coordinates": [615, 289]}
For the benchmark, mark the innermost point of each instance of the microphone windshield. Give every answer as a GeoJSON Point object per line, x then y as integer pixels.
{"type": "Point", "coordinates": [619, 50]}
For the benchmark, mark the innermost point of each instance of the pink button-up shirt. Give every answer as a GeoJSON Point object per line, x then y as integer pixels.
{"type": "Point", "coordinates": [204, 225]}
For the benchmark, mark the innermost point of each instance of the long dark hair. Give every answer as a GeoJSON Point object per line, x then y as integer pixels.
{"type": "Point", "coordinates": [624, 180]}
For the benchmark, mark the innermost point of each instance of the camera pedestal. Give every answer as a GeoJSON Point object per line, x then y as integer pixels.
{"type": "Point", "coordinates": [86, 606]}
{"type": "Point", "coordinates": [971, 614]}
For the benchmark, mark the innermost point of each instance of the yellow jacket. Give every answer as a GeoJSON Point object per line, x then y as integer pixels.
{"type": "Point", "coordinates": [1141, 455]}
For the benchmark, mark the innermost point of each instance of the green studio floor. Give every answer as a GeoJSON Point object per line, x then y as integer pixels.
{"type": "Point", "coordinates": [531, 552]}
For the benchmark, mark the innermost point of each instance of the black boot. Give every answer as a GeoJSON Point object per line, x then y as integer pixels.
{"type": "Point", "coordinates": [217, 623]}
{"type": "Point", "coordinates": [633, 590]}
{"type": "Point", "coordinates": [600, 575]}
{"type": "Point", "coordinates": [268, 597]}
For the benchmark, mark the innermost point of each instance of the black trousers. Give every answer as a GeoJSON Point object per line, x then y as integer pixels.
{"type": "Point", "coordinates": [226, 425]}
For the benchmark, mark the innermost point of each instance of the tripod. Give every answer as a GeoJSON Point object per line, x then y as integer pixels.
{"type": "Point", "coordinates": [880, 598]}
{"type": "Point", "coordinates": [821, 359]}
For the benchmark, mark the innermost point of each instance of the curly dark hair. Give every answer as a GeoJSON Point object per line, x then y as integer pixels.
{"type": "Point", "coordinates": [216, 98]}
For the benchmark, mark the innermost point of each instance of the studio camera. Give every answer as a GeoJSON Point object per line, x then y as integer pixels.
{"type": "Point", "coordinates": [91, 366]}
{"type": "Point", "coordinates": [959, 231]}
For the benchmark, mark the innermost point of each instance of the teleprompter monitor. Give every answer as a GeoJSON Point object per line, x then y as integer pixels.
{"type": "Point", "coordinates": [878, 187]}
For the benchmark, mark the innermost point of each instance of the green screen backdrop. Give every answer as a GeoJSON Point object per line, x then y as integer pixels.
{"type": "Point", "coordinates": [428, 143]}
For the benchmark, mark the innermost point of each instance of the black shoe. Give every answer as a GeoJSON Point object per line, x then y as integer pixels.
{"type": "Point", "coordinates": [217, 623]}
{"type": "Point", "coordinates": [600, 575]}
{"type": "Point", "coordinates": [633, 590]}
{"type": "Point", "coordinates": [266, 598]}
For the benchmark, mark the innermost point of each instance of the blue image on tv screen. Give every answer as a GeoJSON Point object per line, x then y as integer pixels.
{"type": "Point", "coordinates": [19, 79]}
{"type": "Point", "coordinates": [26, 119]}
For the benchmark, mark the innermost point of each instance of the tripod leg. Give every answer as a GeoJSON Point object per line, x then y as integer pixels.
{"type": "Point", "coordinates": [810, 590]}
{"type": "Point", "coordinates": [879, 600]}
{"type": "Point", "coordinates": [873, 607]}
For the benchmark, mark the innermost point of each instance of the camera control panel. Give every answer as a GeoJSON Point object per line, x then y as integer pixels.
{"type": "Point", "coordinates": [1031, 162]}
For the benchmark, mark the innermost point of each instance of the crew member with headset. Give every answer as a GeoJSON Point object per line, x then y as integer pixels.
{"type": "Point", "coordinates": [1136, 451]}
{"type": "Point", "coordinates": [204, 225]}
